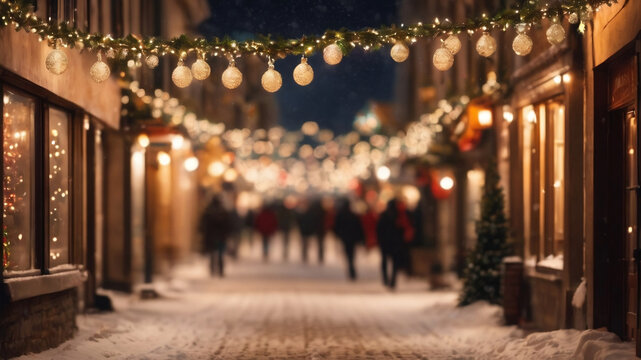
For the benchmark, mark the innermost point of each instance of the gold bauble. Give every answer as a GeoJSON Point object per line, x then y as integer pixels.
{"type": "Point", "coordinates": [522, 44]}
{"type": "Point", "coordinates": [443, 59]}
{"type": "Point", "coordinates": [573, 18]}
{"type": "Point", "coordinates": [200, 69]}
{"type": "Point", "coordinates": [99, 71]}
{"type": "Point", "coordinates": [400, 52]}
{"type": "Point", "coordinates": [152, 61]}
{"type": "Point", "coordinates": [486, 45]}
{"type": "Point", "coordinates": [555, 34]}
{"type": "Point", "coordinates": [332, 54]}
{"type": "Point", "coordinates": [453, 44]}
{"type": "Point", "coordinates": [57, 61]}
{"type": "Point", "coordinates": [181, 76]}
{"type": "Point", "coordinates": [271, 80]}
{"type": "Point", "coordinates": [232, 77]}
{"type": "Point", "coordinates": [303, 73]}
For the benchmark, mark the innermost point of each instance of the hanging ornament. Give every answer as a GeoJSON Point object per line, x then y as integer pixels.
{"type": "Point", "coordinates": [152, 61]}
{"type": "Point", "coordinates": [181, 75]}
{"type": "Point", "coordinates": [111, 53]}
{"type": "Point", "coordinates": [57, 61]}
{"type": "Point", "coordinates": [555, 33]}
{"type": "Point", "coordinates": [586, 14]}
{"type": "Point", "coordinates": [486, 45]}
{"type": "Point", "coordinates": [453, 44]}
{"type": "Point", "coordinates": [200, 69]}
{"type": "Point", "coordinates": [232, 77]}
{"type": "Point", "coordinates": [573, 18]}
{"type": "Point", "coordinates": [99, 71]}
{"type": "Point", "coordinates": [332, 54]}
{"type": "Point", "coordinates": [271, 80]}
{"type": "Point", "coordinates": [400, 52]}
{"type": "Point", "coordinates": [522, 44]}
{"type": "Point", "coordinates": [303, 73]}
{"type": "Point", "coordinates": [443, 58]}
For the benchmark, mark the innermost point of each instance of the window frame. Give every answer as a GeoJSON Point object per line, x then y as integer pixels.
{"type": "Point", "coordinates": [44, 100]}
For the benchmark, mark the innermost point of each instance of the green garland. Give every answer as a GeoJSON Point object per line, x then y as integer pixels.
{"type": "Point", "coordinates": [19, 14]}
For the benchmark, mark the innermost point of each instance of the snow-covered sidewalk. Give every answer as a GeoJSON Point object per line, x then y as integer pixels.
{"type": "Point", "coordinates": [296, 311]}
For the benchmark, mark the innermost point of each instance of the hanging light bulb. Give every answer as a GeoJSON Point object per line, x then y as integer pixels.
{"type": "Point", "coordinates": [271, 79]}
{"type": "Point", "coordinates": [56, 61]}
{"type": "Point", "coordinates": [443, 58]}
{"type": "Point", "coordinates": [99, 71]}
{"type": "Point", "coordinates": [152, 61]}
{"type": "Point", "coordinates": [400, 52]}
{"type": "Point", "coordinates": [181, 75]}
{"type": "Point", "coordinates": [200, 69]}
{"type": "Point", "coordinates": [555, 33]}
{"type": "Point", "coordinates": [332, 54]}
{"type": "Point", "coordinates": [453, 44]}
{"type": "Point", "coordinates": [232, 77]}
{"type": "Point", "coordinates": [303, 73]}
{"type": "Point", "coordinates": [486, 45]}
{"type": "Point", "coordinates": [522, 44]}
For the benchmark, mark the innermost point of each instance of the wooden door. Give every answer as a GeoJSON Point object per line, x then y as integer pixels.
{"type": "Point", "coordinates": [631, 221]}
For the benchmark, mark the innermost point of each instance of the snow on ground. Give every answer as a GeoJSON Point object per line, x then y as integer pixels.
{"type": "Point", "coordinates": [294, 311]}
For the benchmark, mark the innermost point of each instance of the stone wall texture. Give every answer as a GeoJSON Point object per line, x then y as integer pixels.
{"type": "Point", "coordinates": [38, 323]}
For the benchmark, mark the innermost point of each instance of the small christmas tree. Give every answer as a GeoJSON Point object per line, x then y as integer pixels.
{"type": "Point", "coordinates": [482, 275]}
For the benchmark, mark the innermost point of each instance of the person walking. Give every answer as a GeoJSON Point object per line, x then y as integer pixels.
{"type": "Point", "coordinates": [266, 224]}
{"type": "Point", "coordinates": [215, 225]}
{"type": "Point", "coordinates": [394, 230]}
{"type": "Point", "coordinates": [349, 229]}
{"type": "Point", "coordinates": [286, 221]}
{"type": "Point", "coordinates": [311, 223]}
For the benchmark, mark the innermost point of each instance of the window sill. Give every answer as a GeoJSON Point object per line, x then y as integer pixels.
{"type": "Point", "coordinates": [545, 273]}
{"type": "Point", "coordinates": [20, 288]}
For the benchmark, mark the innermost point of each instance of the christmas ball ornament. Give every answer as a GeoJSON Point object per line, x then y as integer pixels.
{"type": "Point", "coordinates": [232, 77]}
{"type": "Point", "coordinates": [522, 44]}
{"type": "Point", "coordinates": [486, 45]}
{"type": "Point", "coordinates": [200, 69]}
{"type": "Point", "coordinates": [453, 44]}
{"type": "Point", "coordinates": [303, 73]}
{"type": "Point", "coordinates": [152, 61]}
{"type": "Point", "coordinates": [573, 18]}
{"type": "Point", "coordinates": [555, 33]}
{"type": "Point", "coordinates": [400, 52]}
{"type": "Point", "coordinates": [99, 71]}
{"type": "Point", "coordinates": [57, 61]}
{"type": "Point", "coordinates": [181, 75]}
{"type": "Point", "coordinates": [443, 59]}
{"type": "Point", "coordinates": [111, 53]}
{"type": "Point", "coordinates": [332, 54]}
{"type": "Point", "coordinates": [271, 80]}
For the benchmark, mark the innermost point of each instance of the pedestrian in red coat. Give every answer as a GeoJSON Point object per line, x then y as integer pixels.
{"type": "Point", "coordinates": [266, 223]}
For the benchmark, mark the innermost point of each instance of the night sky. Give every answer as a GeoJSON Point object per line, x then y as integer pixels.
{"type": "Point", "coordinates": [337, 92]}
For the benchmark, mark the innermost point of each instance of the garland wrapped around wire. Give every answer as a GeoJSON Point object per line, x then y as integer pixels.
{"type": "Point", "coordinates": [333, 43]}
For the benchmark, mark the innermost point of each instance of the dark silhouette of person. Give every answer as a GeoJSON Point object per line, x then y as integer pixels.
{"type": "Point", "coordinates": [394, 230]}
{"type": "Point", "coordinates": [215, 225]}
{"type": "Point", "coordinates": [349, 229]}
{"type": "Point", "coordinates": [266, 224]}
{"type": "Point", "coordinates": [311, 223]}
{"type": "Point", "coordinates": [286, 221]}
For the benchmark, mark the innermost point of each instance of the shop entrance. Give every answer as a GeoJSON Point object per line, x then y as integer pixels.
{"type": "Point", "coordinates": [616, 198]}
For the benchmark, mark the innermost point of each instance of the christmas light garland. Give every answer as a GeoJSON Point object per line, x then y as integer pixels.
{"type": "Point", "coordinates": [334, 44]}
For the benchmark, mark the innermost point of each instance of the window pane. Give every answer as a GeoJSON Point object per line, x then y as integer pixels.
{"type": "Point", "coordinates": [18, 159]}
{"type": "Point", "coordinates": [59, 204]}
{"type": "Point", "coordinates": [557, 111]}
{"type": "Point", "coordinates": [528, 119]}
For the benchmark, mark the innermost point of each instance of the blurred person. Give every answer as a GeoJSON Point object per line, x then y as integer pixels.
{"type": "Point", "coordinates": [266, 224]}
{"type": "Point", "coordinates": [311, 222]}
{"type": "Point", "coordinates": [215, 225]}
{"type": "Point", "coordinates": [286, 221]}
{"type": "Point", "coordinates": [349, 229]}
{"type": "Point", "coordinates": [369, 220]}
{"type": "Point", "coordinates": [394, 231]}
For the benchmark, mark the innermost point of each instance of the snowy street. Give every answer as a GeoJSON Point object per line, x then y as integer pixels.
{"type": "Point", "coordinates": [295, 311]}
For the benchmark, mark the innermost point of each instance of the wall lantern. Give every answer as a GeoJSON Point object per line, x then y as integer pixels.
{"type": "Point", "coordinates": [143, 140]}
{"type": "Point", "coordinates": [485, 118]}
{"type": "Point", "coordinates": [479, 114]}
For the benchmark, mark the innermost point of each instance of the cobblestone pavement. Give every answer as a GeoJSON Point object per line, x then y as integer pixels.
{"type": "Point", "coordinates": [287, 311]}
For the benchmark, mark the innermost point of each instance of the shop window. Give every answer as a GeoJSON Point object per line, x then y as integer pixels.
{"type": "Point", "coordinates": [18, 185]}
{"type": "Point", "coordinates": [58, 177]}
{"type": "Point", "coordinates": [543, 131]}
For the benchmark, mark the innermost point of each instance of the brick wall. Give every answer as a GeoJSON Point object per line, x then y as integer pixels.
{"type": "Point", "coordinates": [37, 324]}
